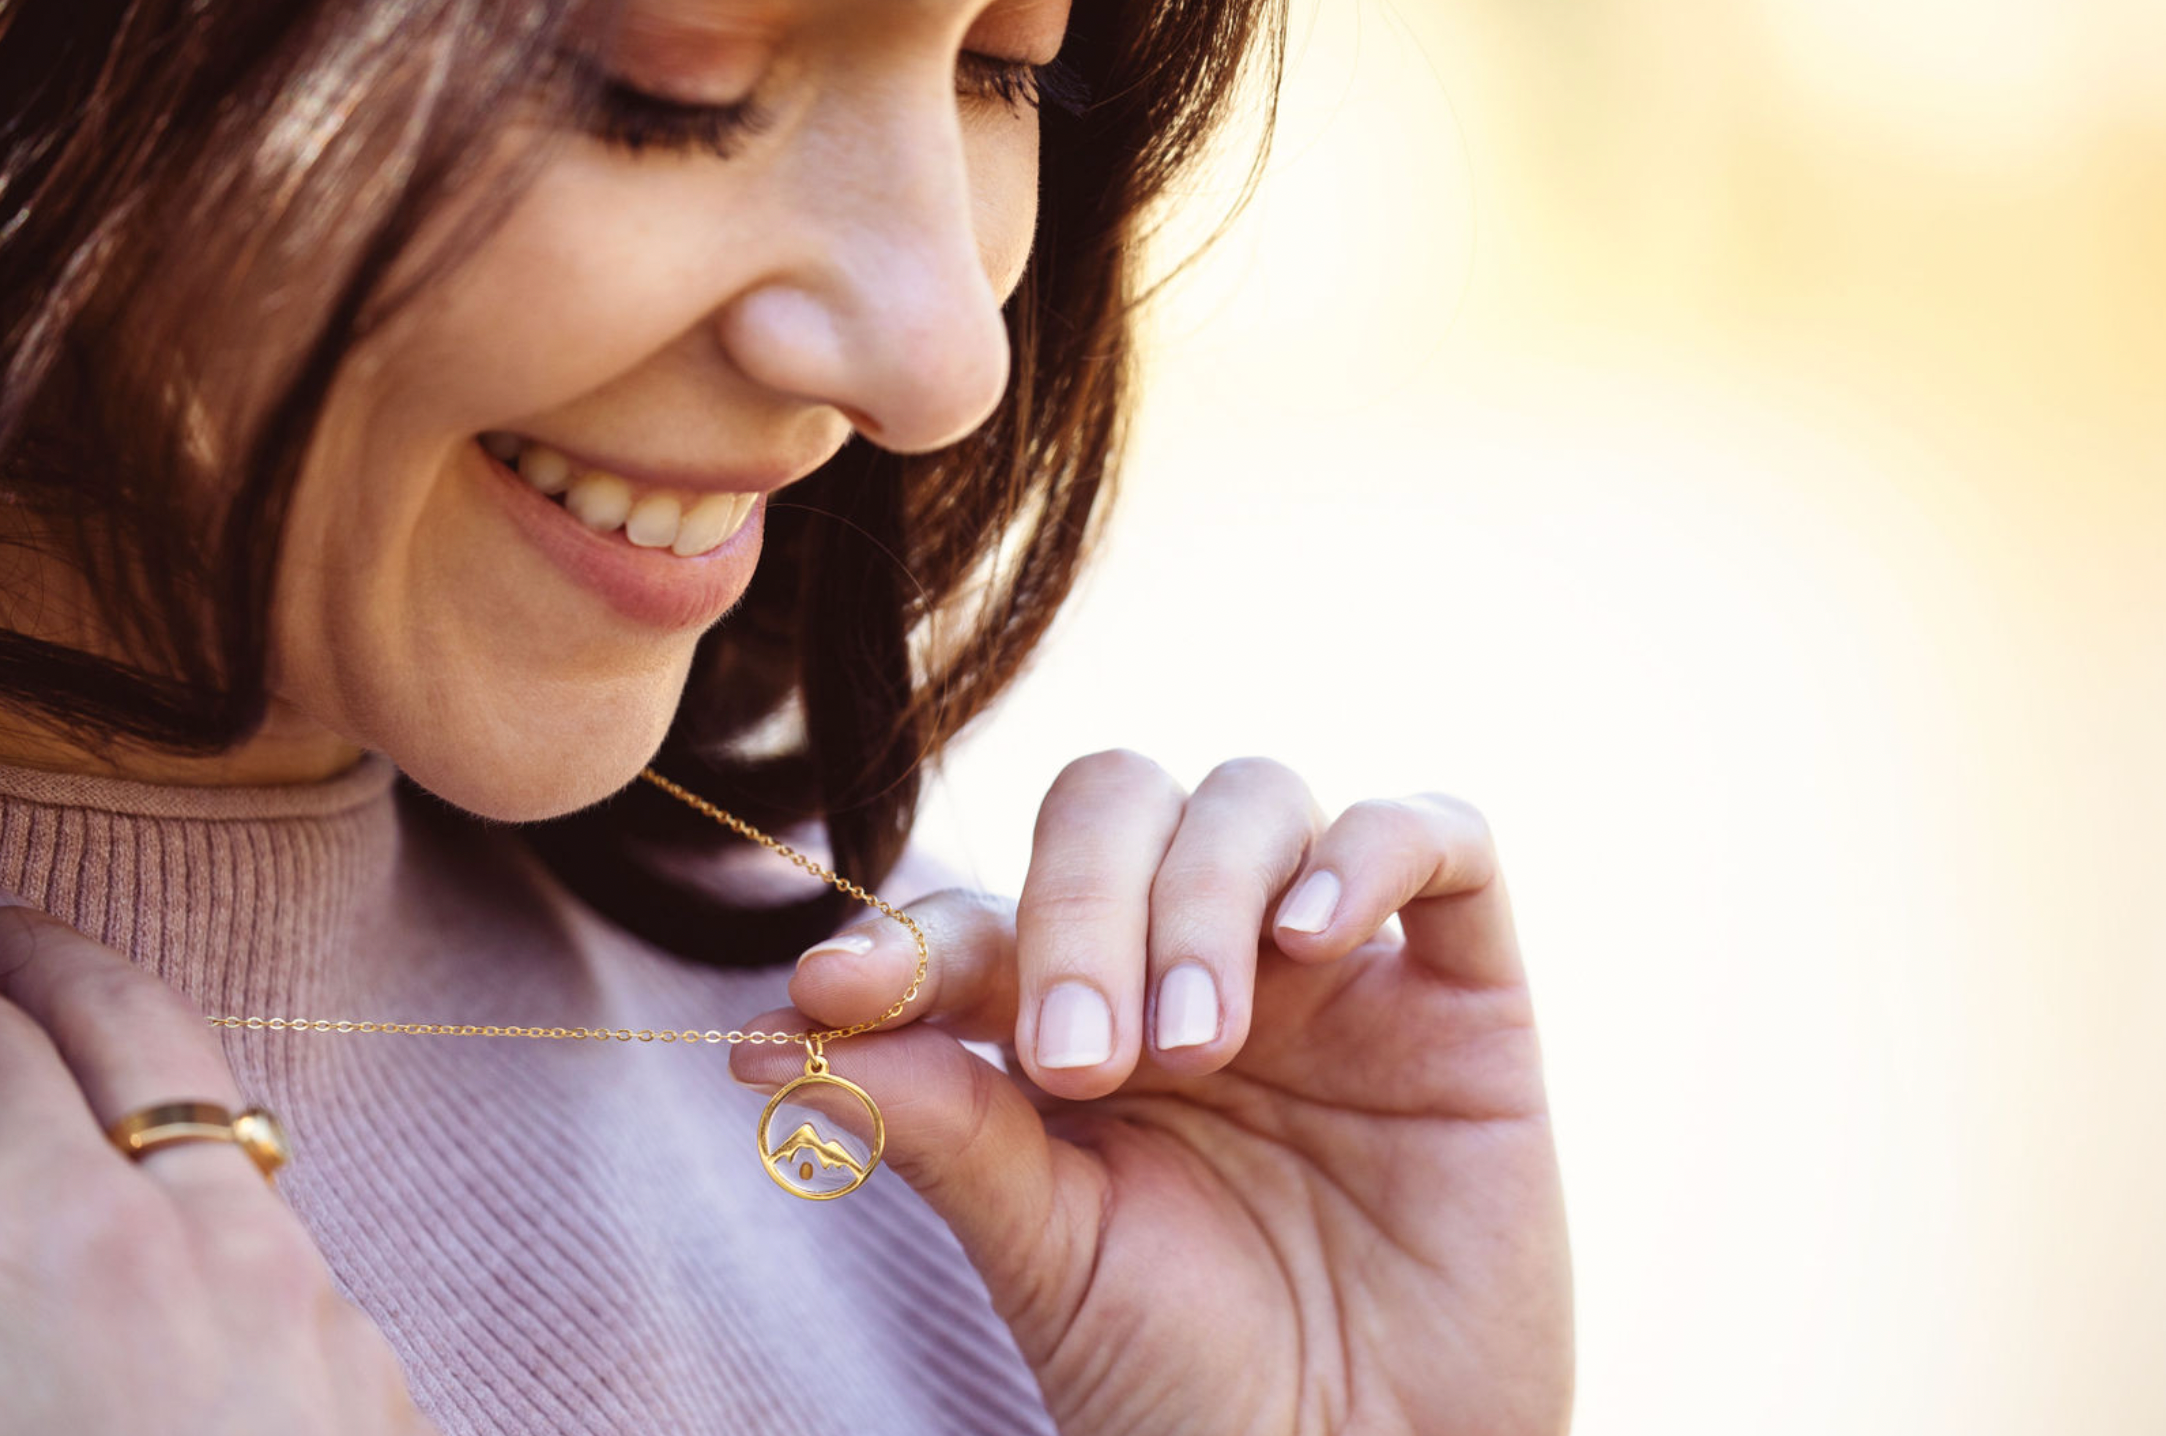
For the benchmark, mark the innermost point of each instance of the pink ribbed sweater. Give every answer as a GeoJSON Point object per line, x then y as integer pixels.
{"type": "Point", "coordinates": [555, 1236]}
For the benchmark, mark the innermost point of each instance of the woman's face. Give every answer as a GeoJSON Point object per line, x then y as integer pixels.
{"type": "Point", "coordinates": [662, 335]}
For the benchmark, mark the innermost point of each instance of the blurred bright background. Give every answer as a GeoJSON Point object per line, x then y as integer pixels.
{"type": "Point", "coordinates": [1728, 444]}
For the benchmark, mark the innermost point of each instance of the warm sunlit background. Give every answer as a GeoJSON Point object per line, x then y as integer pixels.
{"type": "Point", "coordinates": [1727, 442]}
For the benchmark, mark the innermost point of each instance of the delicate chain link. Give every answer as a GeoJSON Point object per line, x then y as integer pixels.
{"type": "Point", "coordinates": [917, 934]}
{"type": "Point", "coordinates": [811, 1041]}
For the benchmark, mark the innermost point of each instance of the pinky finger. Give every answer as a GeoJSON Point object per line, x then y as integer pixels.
{"type": "Point", "coordinates": [1428, 858]}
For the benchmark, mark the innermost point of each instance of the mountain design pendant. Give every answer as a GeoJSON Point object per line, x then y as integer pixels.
{"type": "Point", "coordinates": [821, 1135]}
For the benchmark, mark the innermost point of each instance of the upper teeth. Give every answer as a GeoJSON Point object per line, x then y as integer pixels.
{"type": "Point", "coordinates": [685, 522]}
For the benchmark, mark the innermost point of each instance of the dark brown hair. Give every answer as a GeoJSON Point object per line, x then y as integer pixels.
{"type": "Point", "coordinates": [194, 196]}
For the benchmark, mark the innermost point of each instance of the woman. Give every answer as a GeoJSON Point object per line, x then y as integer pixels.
{"type": "Point", "coordinates": [422, 415]}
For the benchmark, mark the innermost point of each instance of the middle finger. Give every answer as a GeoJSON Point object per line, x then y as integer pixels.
{"type": "Point", "coordinates": [1082, 922]}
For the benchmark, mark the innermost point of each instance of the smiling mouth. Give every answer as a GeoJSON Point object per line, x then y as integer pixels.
{"type": "Point", "coordinates": [687, 522]}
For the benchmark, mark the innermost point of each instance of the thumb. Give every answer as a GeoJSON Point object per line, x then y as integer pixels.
{"type": "Point", "coordinates": [966, 1137]}
{"type": "Point", "coordinates": [970, 972]}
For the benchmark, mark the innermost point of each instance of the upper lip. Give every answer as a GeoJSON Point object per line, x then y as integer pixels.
{"type": "Point", "coordinates": [760, 476]}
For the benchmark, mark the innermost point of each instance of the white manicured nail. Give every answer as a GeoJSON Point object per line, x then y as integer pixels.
{"type": "Point", "coordinates": [1075, 1027]}
{"type": "Point", "coordinates": [857, 944]}
{"type": "Point", "coordinates": [1187, 1007]}
{"type": "Point", "coordinates": [1309, 909]}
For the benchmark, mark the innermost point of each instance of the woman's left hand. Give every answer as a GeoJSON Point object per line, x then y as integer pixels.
{"type": "Point", "coordinates": [1338, 1211]}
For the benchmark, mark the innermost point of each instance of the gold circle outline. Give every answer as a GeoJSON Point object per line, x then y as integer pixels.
{"type": "Point", "coordinates": [879, 1133]}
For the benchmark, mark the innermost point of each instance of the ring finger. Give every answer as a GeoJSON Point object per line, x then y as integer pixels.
{"type": "Point", "coordinates": [129, 1041]}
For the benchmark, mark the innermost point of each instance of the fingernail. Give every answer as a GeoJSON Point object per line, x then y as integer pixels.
{"type": "Point", "coordinates": [1075, 1027]}
{"type": "Point", "coordinates": [8, 899]}
{"type": "Point", "coordinates": [857, 944]}
{"type": "Point", "coordinates": [1309, 908]}
{"type": "Point", "coordinates": [1187, 1007]}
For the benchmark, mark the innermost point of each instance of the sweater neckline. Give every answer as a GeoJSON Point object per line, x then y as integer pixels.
{"type": "Point", "coordinates": [359, 785]}
{"type": "Point", "coordinates": [248, 899]}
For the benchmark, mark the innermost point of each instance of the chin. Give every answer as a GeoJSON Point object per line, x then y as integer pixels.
{"type": "Point", "coordinates": [512, 782]}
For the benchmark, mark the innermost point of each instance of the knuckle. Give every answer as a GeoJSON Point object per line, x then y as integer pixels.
{"type": "Point", "coordinates": [1425, 818]}
{"type": "Point", "coordinates": [1068, 898]}
{"type": "Point", "coordinates": [950, 914]}
{"type": "Point", "coordinates": [28, 934]}
{"type": "Point", "coordinates": [121, 1243]}
{"type": "Point", "coordinates": [1113, 767]}
{"type": "Point", "coordinates": [357, 1346]}
{"type": "Point", "coordinates": [1215, 879]}
{"type": "Point", "coordinates": [976, 904]}
{"type": "Point", "coordinates": [99, 1200]}
{"type": "Point", "coordinates": [1458, 833]}
{"type": "Point", "coordinates": [272, 1262]}
{"type": "Point", "coordinates": [131, 999]}
{"type": "Point", "coordinates": [1189, 936]}
{"type": "Point", "coordinates": [35, 932]}
{"type": "Point", "coordinates": [21, 930]}
{"type": "Point", "coordinates": [1465, 826]}
{"type": "Point", "coordinates": [1389, 820]}
{"type": "Point", "coordinates": [1261, 780]}
{"type": "Point", "coordinates": [1451, 806]}
{"type": "Point", "coordinates": [970, 1124]}
{"type": "Point", "coordinates": [1250, 768]}
{"type": "Point", "coordinates": [359, 1343]}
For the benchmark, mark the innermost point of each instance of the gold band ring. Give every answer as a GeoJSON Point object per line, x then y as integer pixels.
{"type": "Point", "coordinates": [255, 1131]}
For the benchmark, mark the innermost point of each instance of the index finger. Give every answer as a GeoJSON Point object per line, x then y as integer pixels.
{"type": "Point", "coordinates": [128, 1039]}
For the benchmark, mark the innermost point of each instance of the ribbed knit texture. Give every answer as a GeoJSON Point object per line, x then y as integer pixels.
{"type": "Point", "coordinates": [555, 1236]}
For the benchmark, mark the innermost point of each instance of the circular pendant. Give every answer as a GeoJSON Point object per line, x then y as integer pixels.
{"type": "Point", "coordinates": [821, 1136]}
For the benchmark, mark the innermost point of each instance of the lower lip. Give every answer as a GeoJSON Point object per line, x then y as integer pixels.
{"type": "Point", "coordinates": [650, 586]}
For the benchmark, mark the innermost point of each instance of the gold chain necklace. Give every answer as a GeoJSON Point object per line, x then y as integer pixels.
{"type": "Point", "coordinates": [830, 1134]}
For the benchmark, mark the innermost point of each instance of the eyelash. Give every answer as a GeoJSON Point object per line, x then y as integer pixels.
{"type": "Point", "coordinates": [633, 120]}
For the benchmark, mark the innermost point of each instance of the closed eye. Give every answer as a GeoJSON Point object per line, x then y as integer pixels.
{"type": "Point", "coordinates": [632, 119]}
{"type": "Point", "coordinates": [1018, 83]}
{"type": "Point", "coordinates": [635, 120]}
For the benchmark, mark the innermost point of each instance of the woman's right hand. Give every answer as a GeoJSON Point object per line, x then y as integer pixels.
{"type": "Point", "coordinates": [175, 1293]}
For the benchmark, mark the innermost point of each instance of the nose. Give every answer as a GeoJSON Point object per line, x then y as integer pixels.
{"type": "Point", "coordinates": [880, 304]}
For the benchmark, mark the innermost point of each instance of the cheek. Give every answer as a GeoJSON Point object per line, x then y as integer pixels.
{"type": "Point", "coordinates": [1004, 197]}
{"type": "Point", "coordinates": [597, 266]}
